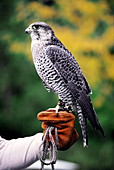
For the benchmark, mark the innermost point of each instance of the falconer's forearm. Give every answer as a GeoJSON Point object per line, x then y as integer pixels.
{"type": "Point", "coordinates": [19, 153]}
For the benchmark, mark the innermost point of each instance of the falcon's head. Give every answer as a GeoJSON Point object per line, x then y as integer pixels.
{"type": "Point", "coordinates": [40, 31]}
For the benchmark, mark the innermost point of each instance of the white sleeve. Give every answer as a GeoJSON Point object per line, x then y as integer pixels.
{"type": "Point", "coordinates": [19, 153]}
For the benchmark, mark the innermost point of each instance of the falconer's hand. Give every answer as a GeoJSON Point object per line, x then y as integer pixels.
{"type": "Point", "coordinates": [64, 122]}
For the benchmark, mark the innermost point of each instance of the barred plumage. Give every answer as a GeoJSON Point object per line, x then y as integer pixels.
{"type": "Point", "coordinates": [61, 73]}
{"type": "Point", "coordinates": [83, 124]}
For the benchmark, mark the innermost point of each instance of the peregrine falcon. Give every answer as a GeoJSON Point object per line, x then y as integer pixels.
{"type": "Point", "coordinates": [61, 73]}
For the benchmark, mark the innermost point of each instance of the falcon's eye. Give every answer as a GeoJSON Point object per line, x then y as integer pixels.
{"type": "Point", "coordinates": [35, 27]}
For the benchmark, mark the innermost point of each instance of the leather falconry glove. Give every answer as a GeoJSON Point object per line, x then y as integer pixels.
{"type": "Point", "coordinates": [64, 122]}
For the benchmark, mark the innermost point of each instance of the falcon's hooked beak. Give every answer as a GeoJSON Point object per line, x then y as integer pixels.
{"type": "Point", "coordinates": [28, 30]}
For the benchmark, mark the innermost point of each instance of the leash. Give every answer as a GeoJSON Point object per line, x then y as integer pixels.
{"type": "Point", "coordinates": [49, 147]}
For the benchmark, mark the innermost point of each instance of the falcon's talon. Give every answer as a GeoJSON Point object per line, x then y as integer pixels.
{"type": "Point", "coordinates": [57, 108]}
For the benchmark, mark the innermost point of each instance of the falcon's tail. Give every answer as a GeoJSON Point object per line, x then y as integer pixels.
{"type": "Point", "coordinates": [88, 111]}
{"type": "Point", "coordinates": [83, 124]}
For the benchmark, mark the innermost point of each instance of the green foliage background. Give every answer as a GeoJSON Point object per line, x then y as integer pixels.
{"type": "Point", "coordinates": [86, 27]}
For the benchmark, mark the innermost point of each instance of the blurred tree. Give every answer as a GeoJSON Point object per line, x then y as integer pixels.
{"type": "Point", "coordinates": [111, 6]}
{"type": "Point", "coordinates": [45, 2]}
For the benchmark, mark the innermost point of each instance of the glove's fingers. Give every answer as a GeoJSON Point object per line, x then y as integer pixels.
{"type": "Point", "coordinates": [50, 117]}
{"type": "Point", "coordinates": [59, 125]}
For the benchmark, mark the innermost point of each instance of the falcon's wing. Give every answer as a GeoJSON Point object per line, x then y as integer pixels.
{"type": "Point", "coordinates": [68, 68]}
